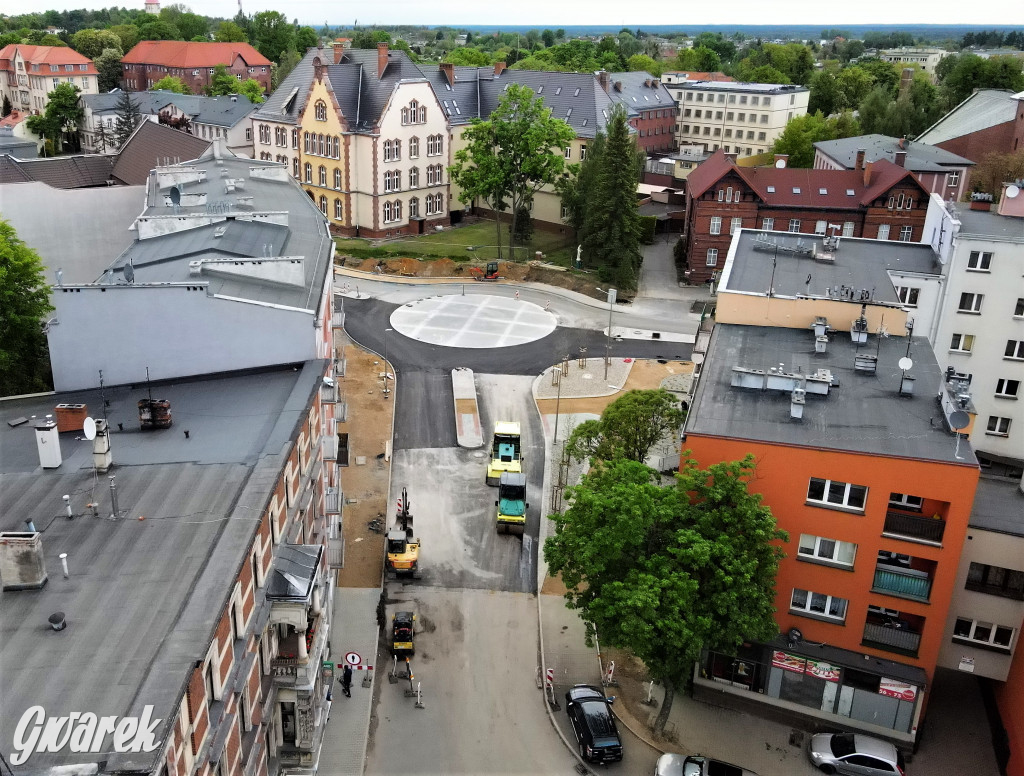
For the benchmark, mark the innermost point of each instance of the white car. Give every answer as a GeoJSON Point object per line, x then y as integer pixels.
{"type": "Point", "coordinates": [852, 753]}
{"type": "Point", "coordinates": [696, 765]}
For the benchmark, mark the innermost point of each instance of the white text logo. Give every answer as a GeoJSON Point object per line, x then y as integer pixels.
{"type": "Point", "coordinates": [82, 733]}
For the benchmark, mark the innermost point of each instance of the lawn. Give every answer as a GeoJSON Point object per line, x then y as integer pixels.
{"type": "Point", "coordinates": [455, 243]}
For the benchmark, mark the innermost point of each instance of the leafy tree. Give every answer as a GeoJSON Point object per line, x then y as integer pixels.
{"type": "Point", "coordinates": [24, 303]}
{"type": "Point", "coordinates": [883, 74]}
{"type": "Point", "coordinates": [158, 30]}
{"type": "Point", "coordinates": [108, 64]}
{"type": "Point", "coordinates": [222, 82]}
{"type": "Point", "coordinates": [252, 89]}
{"type": "Point", "coordinates": [271, 34]}
{"type": "Point", "coordinates": [5, 111]}
{"type": "Point", "coordinates": [191, 26]}
{"type": "Point", "coordinates": [91, 43]}
{"type": "Point", "coordinates": [971, 72]}
{"type": "Point", "coordinates": [51, 40]}
{"type": "Point", "coordinates": [128, 34]}
{"type": "Point", "coordinates": [8, 38]}
{"type": "Point", "coordinates": [611, 224]}
{"type": "Point", "coordinates": [511, 155]}
{"type": "Point", "coordinates": [854, 84]}
{"type": "Point", "coordinates": [718, 43]}
{"type": "Point", "coordinates": [994, 169]}
{"type": "Point", "coordinates": [280, 71]}
{"type": "Point", "coordinates": [765, 74]}
{"type": "Point", "coordinates": [467, 56]}
{"type": "Point", "coordinates": [669, 571]}
{"type": "Point", "coordinates": [802, 132]}
{"type": "Point", "coordinates": [644, 63]}
{"type": "Point", "coordinates": [629, 427]}
{"type": "Point", "coordinates": [524, 227]}
{"type": "Point", "coordinates": [826, 96]}
{"type": "Point", "coordinates": [174, 84]}
{"type": "Point", "coordinates": [229, 32]}
{"type": "Point", "coordinates": [103, 139]}
{"type": "Point", "coordinates": [629, 46]}
{"type": "Point", "coordinates": [548, 37]}
{"type": "Point", "coordinates": [58, 124]}
{"type": "Point", "coordinates": [128, 118]}
{"type": "Point", "coordinates": [577, 188]}
{"type": "Point", "coordinates": [699, 58]}
{"type": "Point", "coordinates": [306, 38]}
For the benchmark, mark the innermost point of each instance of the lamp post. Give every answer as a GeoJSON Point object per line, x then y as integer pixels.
{"type": "Point", "coordinates": [608, 340]}
{"type": "Point", "coordinates": [386, 390]}
{"type": "Point", "coordinates": [558, 401]}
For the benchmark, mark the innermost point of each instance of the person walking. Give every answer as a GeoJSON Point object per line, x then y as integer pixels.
{"type": "Point", "coordinates": [346, 680]}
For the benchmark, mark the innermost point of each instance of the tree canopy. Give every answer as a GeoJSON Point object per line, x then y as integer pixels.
{"type": "Point", "coordinates": [629, 427]}
{"type": "Point", "coordinates": [24, 303]}
{"type": "Point", "coordinates": [172, 83]}
{"type": "Point", "coordinates": [271, 34]}
{"type": "Point", "coordinates": [91, 43]}
{"type": "Point", "coordinates": [128, 118]}
{"type": "Point", "coordinates": [668, 571]}
{"type": "Point", "coordinates": [108, 65]}
{"type": "Point", "coordinates": [58, 124]}
{"type": "Point", "coordinates": [802, 132]}
{"type": "Point", "coordinates": [229, 32]}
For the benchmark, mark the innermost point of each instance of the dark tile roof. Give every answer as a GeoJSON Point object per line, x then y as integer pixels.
{"type": "Point", "coordinates": [361, 91]}
{"type": "Point", "coordinates": [224, 111]}
{"type": "Point", "coordinates": [638, 91]}
{"type": "Point", "coordinates": [11, 171]}
{"type": "Point", "coordinates": [284, 104]}
{"type": "Point", "coordinates": [921, 157]}
{"type": "Point", "coordinates": [149, 146]}
{"type": "Point", "coordinates": [67, 172]}
{"type": "Point", "coordinates": [983, 109]}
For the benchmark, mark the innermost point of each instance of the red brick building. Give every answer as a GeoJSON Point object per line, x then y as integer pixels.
{"type": "Point", "coordinates": [989, 121]}
{"type": "Point", "coordinates": [193, 63]}
{"type": "Point", "coordinates": [651, 109]}
{"type": "Point", "coordinates": [879, 200]}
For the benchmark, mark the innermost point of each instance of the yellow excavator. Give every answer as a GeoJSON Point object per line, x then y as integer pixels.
{"type": "Point", "coordinates": [506, 452]}
{"type": "Point", "coordinates": [403, 556]}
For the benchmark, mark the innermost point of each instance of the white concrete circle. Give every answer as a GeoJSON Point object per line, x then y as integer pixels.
{"type": "Point", "coordinates": [457, 321]}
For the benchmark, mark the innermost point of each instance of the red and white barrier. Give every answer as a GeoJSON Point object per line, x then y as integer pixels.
{"type": "Point", "coordinates": [609, 675]}
{"type": "Point", "coordinates": [549, 678]}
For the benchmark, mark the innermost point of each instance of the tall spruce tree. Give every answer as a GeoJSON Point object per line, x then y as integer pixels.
{"type": "Point", "coordinates": [128, 117]}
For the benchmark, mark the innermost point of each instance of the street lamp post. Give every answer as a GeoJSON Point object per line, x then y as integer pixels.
{"type": "Point", "coordinates": [386, 390]}
{"type": "Point", "coordinates": [558, 401]}
{"type": "Point", "coordinates": [612, 293]}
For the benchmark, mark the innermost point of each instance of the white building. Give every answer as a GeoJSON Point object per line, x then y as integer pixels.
{"type": "Point", "coordinates": [927, 58]}
{"type": "Point", "coordinates": [30, 73]}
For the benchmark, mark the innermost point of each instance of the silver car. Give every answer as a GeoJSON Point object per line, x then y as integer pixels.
{"type": "Point", "coordinates": [852, 753]}
{"type": "Point", "coordinates": [696, 765]}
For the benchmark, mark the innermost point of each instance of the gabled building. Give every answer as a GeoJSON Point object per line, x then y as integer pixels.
{"type": "Point", "coordinates": [29, 73]}
{"type": "Point", "coordinates": [650, 106]}
{"type": "Point", "coordinates": [880, 200]}
{"type": "Point", "coordinates": [192, 62]}
{"type": "Point", "coordinates": [989, 121]}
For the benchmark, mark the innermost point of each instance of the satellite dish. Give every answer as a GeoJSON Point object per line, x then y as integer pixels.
{"type": "Point", "coordinates": [89, 428]}
{"type": "Point", "coordinates": [906, 363]}
{"type": "Point", "coordinates": [959, 419]}
{"type": "Point", "coordinates": [697, 358]}
{"type": "Point", "coordinates": [129, 272]}
{"type": "Point", "coordinates": [780, 163]}
{"type": "Point", "coordinates": [1012, 191]}
{"type": "Point", "coordinates": [794, 636]}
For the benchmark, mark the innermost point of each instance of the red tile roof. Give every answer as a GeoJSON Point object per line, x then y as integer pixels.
{"type": "Point", "coordinates": [186, 54]}
{"type": "Point", "coordinates": [803, 187]}
{"type": "Point", "coordinates": [48, 55]}
{"type": "Point", "coordinates": [702, 75]}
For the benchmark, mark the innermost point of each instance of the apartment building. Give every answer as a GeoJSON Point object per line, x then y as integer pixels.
{"type": "Point", "coordinates": [939, 171]}
{"type": "Point", "coordinates": [651, 109]}
{"type": "Point", "coordinates": [740, 118]}
{"type": "Point", "coordinates": [926, 58]}
{"type": "Point", "coordinates": [192, 62]}
{"type": "Point", "coordinates": [989, 121]}
{"type": "Point", "coordinates": [880, 200]}
{"type": "Point", "coordinates": [859, 465]}
{"type": "Point", "coordinates": [30, 73]}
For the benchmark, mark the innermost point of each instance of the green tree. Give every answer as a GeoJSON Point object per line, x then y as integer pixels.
{"type": "Point", "coordinates": [158, 30]}
{"type": "Point", "coordinates": [467, 56]}
{"type": "Point", "coordinates": [628, 428]}
{"type": "Point", "coordinates": [128, 34]}
{"type": "Point", "coordinates": [91, 43]}
{"type": "Point", "coordinates": [826, 97]}
{"type": "Point", "coordinates": [644, 63]}
{"type": "Point", "coordinates": [666, 572]}
{"type": "Point", "coordinates": [802, 132]}
{"type": "Point", "coordinates": [548, 37]}
{"type": "Point", "coordinates": [854, 84]}
{"type": "Point", "coordinates": [191, 25]}
{"type": "Point", "coordinates": [883, 74]}
{"type": "Point", "coordinates": [514, 153]}
{"type": "Point", "coordinates": [699, 58]}
{"type": "Point", "coordinates": [51, 40]}
{"type": "Point", "coordinates": [174, 84]}
{"type": "Point", "coordinates": [252, 89]}
{"type": "Point", "coordinates": [222, 82]}
{"type": "Point", "coordinates": [108, 65]}
{"type": "Point", "coordinates": [128, 118]}
{"type": "Point", "coordinates": [24, 303]}
{"type": "Point", "coordinates": [271, 34]}
{"type": "Point", "coordinates": [611, 223]}
{"type": "Point", "coordinates": [58, 124]}
{"type": "Point", "coordinates": [229, 32]}
{"type": "Point", "coordinates": [5, 111]}
{"type": "Point", "coordinates": [8, 38]}
{"type": "Point", "coordinates": [718, 43]}
{"type": "Point", "coordinates": [280, 71]}
{"type": "Point", "coordinates": [305, 38]}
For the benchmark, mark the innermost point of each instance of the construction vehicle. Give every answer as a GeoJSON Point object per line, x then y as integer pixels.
{"type": "Point", "coordinates": [511, 503]}
{"type": "Point", "coordinates": [403, 551]}
{"type": "Point", "coordinates": [488, 275]}
{"type": "Point", "coordinates": [506, 451]}
{"type": "Point", "coordinates": [403, 631]}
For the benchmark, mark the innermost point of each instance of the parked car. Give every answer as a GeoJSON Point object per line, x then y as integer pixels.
{"type": "Point", "coordinates": [593, 724]}
{"type": "Point", "coordinates": [852, 753]}
{"type": "Point", "coordinates": [696, 765]}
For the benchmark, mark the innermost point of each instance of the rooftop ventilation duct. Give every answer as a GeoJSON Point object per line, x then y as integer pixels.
{"type": "Point", "coordinates": [21, 560]}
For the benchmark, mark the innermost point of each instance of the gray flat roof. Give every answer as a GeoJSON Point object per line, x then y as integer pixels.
{"type": "Point", "coordinates": [979, 223]}
{"type": "Point", "coordinates": [144, 595]}
{"type": "Point", "coordinates": [738, 86]}
{"type": "Point", "coordinates": [859, 263]}
{"type": "Point", "coordinates": [998, 506]}
{"type": "Point", "coordinates": [862, 414]}
{"type": "Point", "coordinates": [921, 157]}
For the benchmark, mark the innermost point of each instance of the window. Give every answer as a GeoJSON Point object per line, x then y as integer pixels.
{"type": "Point", "coordinates": [903, 501]}
{"type": "Point", "coordinates": [970, 303]}
{"type": "Point", "coordinates": [336, 147]}
{"type": "Point", "coordinates": [337, 210]}
{"type": "Point", "coordinates": [761, 136]}
{"type": "Point", "coordinates": [712, 259]}
{"type": "Point", "coordinates": [764, 118]}
{"type": "Point", "coordinates": [337, 178]}
{"type": "Point", "coordinates": [837, 494]}
{"type": "Point", "coordinates": [414, 207]}
{"type": "Point", "coordinates": [392, 180]}
{"type": "Point", "coordinates": [768, 224]}
{"type": "Point", "coordinates": [1007, 389]}
{"type": "Point", "coordinates": [883, 231]}
{"type": "Point", "coordinates": [583, 152]}
{"type": "Point", "coordinates": [962, 343]}
{"type": "Point", "coordinates": [908, 295]}
{"type": "Point", "coordinates": [435, 145]}
{"type": "Point", "coordinates": [716, 225]}
{"type": "Point", "coordinates": [979, 261]}
{"type": "Point", "coordinates": [264, 134]}
{"type": "Point", "coordinates": [1018, 309]}
{"type": "Point", "coordinates": [819, 604]}
{"type": "Point", "coordinates": [295, 167]}
{"type": "Point", "coordinates": [323, 204]}
{"type": "Point", "coordinates": [820, 227]}
{"type": "Point", "coordinates": [847, 228]}
{"type": "Point", "coordinates": [995, 580]}
{"type": "Point", "coordinates": [953, 179]}
{"type": "Point", "coordinates": [998, 426]}
{"type": "Point", "coordinates": [295, 139]}
{"type": "Point", "coordinates": [389, 151]}
{"type": "Point", "coordinates": [414, 147]}
{"type": "Point", "coordinates": [905, 233]}
{"type": "Point", "coordinates": [309, 172]}
{"type": "Point", "coordinates": [998, 637]}
{"type": "Point", "coordinates": [322, 175]}
{"type": "Point", "coordinates": [1014, 350]}
{"type": "Point", "coordinates": [794, 224]}
{"type": "Point", "coordinates": [392, 211]}
{"type": "Point", "coordinates": [735, 224]}
{"type": "Point", "coordinates": [435, 204]}
{"type": "Point", "coordinates": [414, 177]}
{"type": "Point", "coordinates": [830, 550]}
{"type": "Point", "coordinates": [321, 110]}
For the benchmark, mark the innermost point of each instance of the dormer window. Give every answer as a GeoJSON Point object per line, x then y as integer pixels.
{"type": "Point", "coordinates": [771, 189]}
{"type": "Point", "coordinates": [823, 191]}
{"type": "Point", "coordinates": [796, 189]}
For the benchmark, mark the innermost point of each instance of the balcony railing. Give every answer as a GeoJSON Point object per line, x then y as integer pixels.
{"type": "Point", "coordinates": [330, 443]}
{"type": "Point", "coordinates": [332, 501]}
{"type": "Point", "coordinates": [906, 583]}
{"type": "Point", "coordinates": [338, 319]}
{"type": "Point", "coordinates": [329, 393]}
{"type": "Point", "coordinates": [892, 639]}
{"type": "Point", "coordinates": [927, 529]}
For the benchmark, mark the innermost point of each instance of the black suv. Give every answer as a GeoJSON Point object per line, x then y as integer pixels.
{"type": "Point", "coordinates": [593, 724]}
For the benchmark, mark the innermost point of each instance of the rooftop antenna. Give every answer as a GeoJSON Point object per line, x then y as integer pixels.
{"type": "Point", "coordinates": [881, 330]}
{"type": "Point", "coordinates": [149, 386]}
{"type": "Point", "coordinates": [771, 283]}
{"type": "Point", "coordinates": [103, 396]}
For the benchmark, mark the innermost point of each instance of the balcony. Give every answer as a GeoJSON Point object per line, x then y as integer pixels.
{"type": "Point", "coordinates": [288, 669]}
{"type": "Point", "coordinates": [332, 501]}
{"type": "Point", "coordinates": [330, 443]}
{"type": "Point", "coordinates": [329, 392]}
{"type": "Point", "coordinates": [914, 528]}
{"type": "Point", "coordinates": [338, 319]}
{"type": "Point", "coordinates": [891, 639]}
{"type": "Point", "coordinates": [904, 583]}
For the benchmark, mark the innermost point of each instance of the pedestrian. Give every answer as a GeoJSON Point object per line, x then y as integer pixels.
{"type": "Point", "coordinates": [346, 681]}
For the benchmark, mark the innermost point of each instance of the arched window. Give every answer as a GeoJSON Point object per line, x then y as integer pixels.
{"type": "Point", "coordinates": [387, 212]}
{"type": "Point", "coordinates": [414, 147]}
{"type": "Point", "coordinates": [323, 175]}
{"type": "Point", "coordinates": [323, 204]}
{"type": "Point", "coordinates": [305, 142]}
{"type": "Point", "coordinates": [295, 167]}
{"type": "Point", "coordinates": [295, 138]}
{"type": "Point", "coordinates": [337, 148]}
{"type": "Point", "coordinates": [405, 115]}
{"type": "Point", "coordinates": [337, 178]}
{"type": "Point", "coordinates": [398, 210]}
{"type": "Point", "coordinates": [398, 149]}
{"type": "Point", "coordinates": [337, 210]}
{"type": "Point", "coordinates": [387, 150]}
{"type": "Point", "coordinates": [423, 114]}
{"type": "Point", "coordinates": [320, 144]}
{"type": "Point", "coordinates": [321, 110]}
{"type": "Point", "coordinates": [414, 178]}
{"type": "Point", "coordinates": [309, 172]}
{"type": "Point", "coordinates": [414, 207]}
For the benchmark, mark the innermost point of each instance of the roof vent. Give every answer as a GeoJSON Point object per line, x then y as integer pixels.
{"type": "Point", "coordinates": [21, 560]}
{"type": "Point", "coordinates": [195, 268]}
{"type": "Point", "coordinates": [797, 400]}
{"type": "Point", "coordinates": [218, 232]}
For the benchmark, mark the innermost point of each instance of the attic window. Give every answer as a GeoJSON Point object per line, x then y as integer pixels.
{"type": "Point", "coordinates": [604, 113]}
{"type": "Point", "coordinates": [445, 102]}
{"type": "Point", "coordinates": [449, 87]}
{"type": "Point", "coordinates": [540, 90]}
{"type": "Point", "coordinates": [455, 103]}
{"type": "Point", "coordinates": [771, 189]}
{"type": "Point", "coordinates": [634, 99]}
{"type": "Point", "coordinates": [796, 189]}
{"type": "Point", "coordinates": [506, 88]}
{"type": "Point", "coordinates": [558, 90]}
{"type": "Point", "coordinates": [574, 94]}
{"type": "Point", "coordinates": [849, 192]}
{"type": "Point", "coordinates": [458, 111]}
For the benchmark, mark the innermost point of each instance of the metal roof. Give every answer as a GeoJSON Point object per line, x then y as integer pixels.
{"type": "Point", "coordinates": [998, 506]}
{"type": "Point", "coordinates": [222, 111]}
{"type": "Point", "coordinates": [286, 101]}
{"type": "Point", "coordinates": [921, 157]}
{"type": "Point", "coordinates": [152, 145]}
{"type": "Point", "coordinates": [983, 109]}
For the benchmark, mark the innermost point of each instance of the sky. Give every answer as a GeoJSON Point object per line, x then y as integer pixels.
{"type": "Point", "coordinates": [545, 13]}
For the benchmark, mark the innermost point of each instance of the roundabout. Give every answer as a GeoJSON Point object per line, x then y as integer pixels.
{"type": "Point", "coordinates": [476, 321]}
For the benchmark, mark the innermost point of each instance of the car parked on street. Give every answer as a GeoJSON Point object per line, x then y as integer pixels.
{"type": "Point", "coordinates": [852, 753]}
{"type": "Point", "coordinates": [592, 721]}
{"type": "Point", "coordinates": [696, 765]}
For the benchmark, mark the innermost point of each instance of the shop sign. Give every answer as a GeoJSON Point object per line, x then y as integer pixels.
{"type": "Point", "coordinates": [894, 689]}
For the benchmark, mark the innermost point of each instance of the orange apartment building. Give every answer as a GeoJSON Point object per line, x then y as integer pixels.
{"type": "Point", "coordinates": [858, 462]}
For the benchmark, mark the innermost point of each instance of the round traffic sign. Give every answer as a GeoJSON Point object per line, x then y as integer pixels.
{"type": "Point", "coordinates": [353, 658]}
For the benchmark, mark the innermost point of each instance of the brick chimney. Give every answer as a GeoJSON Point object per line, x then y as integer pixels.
{"type": "Point", "coordinates": [499, 68]}
{"type": "Point", "coordinates": [901, 159]}
{"type": "Point", "coordinates": [859, 165]}
{"type": "Point", "coordinates": [449, 72]}
{"type": "Point", "coordinates": [602, 79]}
{"type": "Point", "coordinates": [339, 51]}
{"type": "Point", "coordinates": [867, 173]}
{"type": "Point", "coordinates": [382, 59]}
{"type": "Point", "coordinates": [732, 156]}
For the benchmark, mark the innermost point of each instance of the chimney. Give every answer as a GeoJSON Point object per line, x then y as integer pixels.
{"type": "Point", "coordinates": [901, 158]}
{"type": "Point", "coordinates": [903, 143]}
{"type": "Point", "coordinates": [981, 201]}
{"type": "Point", "coordinates": [867, 173]}
{"type": "Point", "coordinates": [617, 86]}
{"type": "Point", "coordinates": [859, 165]}
{"type": "Point", "coordinates": [602, 78]}
{"type": "Point", "coordinates": [449, 72]}
{"type": "Point", "coordinates": [499, 68]}
{"type": "Point", "coordinates": [382, 59]}
{"type": "Point", "coordinates": [339, 51]}
{"type": "Point", "coordinates": [655, 83]}
{"type": "Point", "coordinates": [732, 156]}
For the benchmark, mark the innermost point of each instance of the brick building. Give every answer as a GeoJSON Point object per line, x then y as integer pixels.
{"type": "Point", "coordinates": [29, 73]}
{"type": "Point", "coordinates": [879, 200]}
{"type": "Point", "coordinates": [651, 109]}
{"type": "Point", "coordinates": [989, 121]}
{"type": "Point", "coordinates": [193, 63]}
